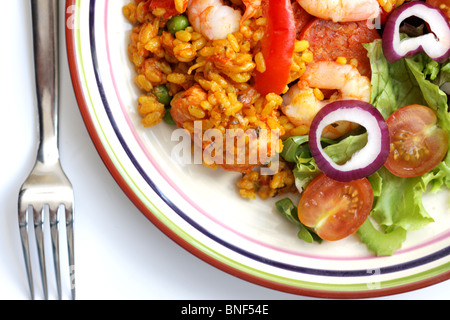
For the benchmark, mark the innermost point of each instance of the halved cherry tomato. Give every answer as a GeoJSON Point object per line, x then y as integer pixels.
{"type": "Point", "coordinates": [335, 210]}
{"type": "Point", "coordinates": [444, 5]}
{"type": "Point", "coordinates": [277, 47]}
{"type": "Point", "coordinates": [418, 144]}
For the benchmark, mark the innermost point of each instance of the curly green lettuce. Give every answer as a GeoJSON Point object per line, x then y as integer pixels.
{"type": "Point", "coordinates": [398, 203]}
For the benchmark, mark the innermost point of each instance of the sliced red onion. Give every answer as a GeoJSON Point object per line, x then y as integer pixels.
{"type": "Point", "coordinates": [435, 44]}
{"type": "Point", "coordinates": [364, 162]}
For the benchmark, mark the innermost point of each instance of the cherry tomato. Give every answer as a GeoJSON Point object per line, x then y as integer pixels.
{"type": "Point", "coordinates": [418, 144]}
{"type": "Point", "coordinates": [277, 47]}
{"type": "Point", "coordinates": [335, 210]}
{"type": "Point", "coordinates": [444, 5]}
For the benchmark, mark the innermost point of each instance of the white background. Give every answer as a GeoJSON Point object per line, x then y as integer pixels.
{"type": "Point", "coordinates": [119, 253]}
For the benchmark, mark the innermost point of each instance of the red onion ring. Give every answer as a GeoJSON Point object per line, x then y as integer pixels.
{"type": "Point", "coordinates": [435, 44]}
{"type": "Point", "coordinates": [364, 162]}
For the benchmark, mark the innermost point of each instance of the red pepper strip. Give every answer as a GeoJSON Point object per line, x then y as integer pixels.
{"type": "Point", "coordinates": [169, 5]}
{"type": "Point", "coordinates": [277, 47]}
{"type": "Point", "coordinates": [383, 16]}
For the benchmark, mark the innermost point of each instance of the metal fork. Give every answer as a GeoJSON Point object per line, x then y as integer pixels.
{"type": "Point", "coordinates": [47, 188]}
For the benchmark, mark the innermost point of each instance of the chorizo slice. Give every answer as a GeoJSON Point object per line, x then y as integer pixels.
{"type": "Point", "coordinates": [301, 16]}
{"type": "Point", "coordinates": [330, 40]}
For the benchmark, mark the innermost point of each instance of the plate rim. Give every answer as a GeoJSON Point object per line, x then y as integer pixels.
{"type": "Point", "coordinates": [70, 34]}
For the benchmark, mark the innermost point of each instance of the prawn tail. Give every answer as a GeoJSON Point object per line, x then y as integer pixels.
{"type": "Point", "coordinates": [252, 7]}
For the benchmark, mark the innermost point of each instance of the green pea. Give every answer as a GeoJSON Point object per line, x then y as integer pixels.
{"type": "Point", "coordinates": [177, 23]}
{"type": "Point", "coordinates": [168, 118]}
{"type": "Point", "coordinates": [162, 94]}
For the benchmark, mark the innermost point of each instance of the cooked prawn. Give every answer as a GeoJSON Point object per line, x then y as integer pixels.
{"type": "Point", "coordinates": [342, 10]}
{"type": "Point", "coordinates": [300, 103]}
{"type": "Point", "coordinates": [252, 7]}
{"type": "Point", "coordinates": [213, 19]}
{"type": "Point", "coordinates": [185, 100]}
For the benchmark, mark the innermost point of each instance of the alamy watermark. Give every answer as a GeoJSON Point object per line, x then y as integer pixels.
{"type": "Point", "coordinates": [72, 22]}
{"type": "Point", "coordinates": [231, 147]}
{"type": "Point", "coordinates": [375, 274]}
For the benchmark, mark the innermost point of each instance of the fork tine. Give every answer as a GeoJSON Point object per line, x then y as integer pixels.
{"type": "Point", "coordinates": [38, 230]}
{"type": "Point", "coordinates": [70, 245]}
{"type": "Point", "coordinates": [54, 232]}
{"type": "Point", "coordinates": [23, 227]}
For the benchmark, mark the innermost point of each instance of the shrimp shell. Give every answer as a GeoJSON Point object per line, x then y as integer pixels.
{"type": "Point", "coordinates": [342, 10]}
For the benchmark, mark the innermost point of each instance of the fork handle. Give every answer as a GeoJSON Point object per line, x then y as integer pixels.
{"type": "Point", "coordinates": [46, 59]}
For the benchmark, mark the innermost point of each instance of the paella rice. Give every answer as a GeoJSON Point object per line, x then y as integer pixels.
{"type": "Point", "coordinates": [212, 82]}
{"type": "Point", "coordinates": [215, 77]}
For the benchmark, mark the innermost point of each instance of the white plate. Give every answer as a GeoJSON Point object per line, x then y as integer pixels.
{"type": "Point", "coordinates": [200, 208]}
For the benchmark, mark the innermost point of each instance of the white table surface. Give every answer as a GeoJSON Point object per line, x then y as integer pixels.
{"type": "Point", "coordinates": [119, 253]}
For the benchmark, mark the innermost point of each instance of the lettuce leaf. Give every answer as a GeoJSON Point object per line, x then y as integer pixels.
{"type": "Point", "coordinates": [444, 75]}
{"type": "Point", "coordinates": [393, 85]}
{"type": "Point", "coordinates": [381, 243]}
{"type": "Point", "coordinates": [292, 147]}
{"type": "Point", "coordinates": [296, 149]}
{"type": "Point", "coordinates": [287, 208]}
{"type": "Point", "coordinates": [398, 203]}
{"type": "Point", "coordinates": [436, 99]}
